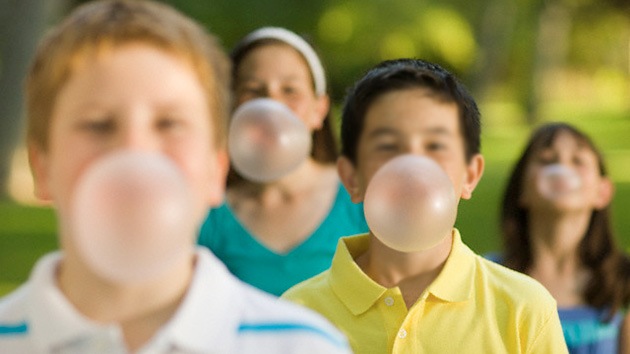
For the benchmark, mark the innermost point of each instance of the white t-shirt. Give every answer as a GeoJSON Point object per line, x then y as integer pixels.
{"type": "Point", "coordinates": [219, 314]}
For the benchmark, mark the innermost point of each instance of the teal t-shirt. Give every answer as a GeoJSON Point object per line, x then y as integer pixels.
{"type": "Point", "coordinates": [265, 269]}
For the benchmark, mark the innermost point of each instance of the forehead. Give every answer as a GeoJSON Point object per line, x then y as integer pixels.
{"type": "Point", "coordinates": [273, 55]}
{"type": "Point", "coordinates": [565, 140]}
{"type": "Point", "coordinates": [411, 110]}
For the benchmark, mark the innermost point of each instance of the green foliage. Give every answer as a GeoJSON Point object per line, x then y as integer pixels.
{"type": "Point", "coordinates": [26, 233]}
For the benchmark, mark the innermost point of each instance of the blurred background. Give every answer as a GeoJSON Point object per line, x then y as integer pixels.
{"type": "Point", "coordinates": [525, 61]}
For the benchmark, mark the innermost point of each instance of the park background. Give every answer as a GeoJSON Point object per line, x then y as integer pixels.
{"type": "Point", "coordinates": [525, 61]}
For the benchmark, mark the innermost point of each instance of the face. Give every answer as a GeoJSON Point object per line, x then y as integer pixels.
{"type": "Point", "coordinates": [279, 72]}
{"type": "Point", "coordinates": [117, 101]}
{"type": "Point", "coordinates": [593, 191]}
{"type": "Point", "coordinates": [410, 121]}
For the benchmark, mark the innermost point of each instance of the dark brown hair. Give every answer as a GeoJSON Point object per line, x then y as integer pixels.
{"type": "Point", "coordinates": [608, 286]}
{"type": "Point", "coordinates": [404, 74]}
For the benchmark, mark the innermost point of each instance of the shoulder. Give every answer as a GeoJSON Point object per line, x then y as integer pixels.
{"type": "Point", "coordinates": [14, 305]}
{"type": "Point", "coordinates": [288, 325]}
{"type": "Point", "coordinates": [213, 226]}
{"type": "Point", "coordinates": [513, 287]}
{"type": "Point", "coordinates": [247, 320]}
{"type": "Point", "coordinates": [345, 211]}
{"type": "Point", "coordinates": [316, 288]}
{"type": "Point", "coordinates": [14, 322]}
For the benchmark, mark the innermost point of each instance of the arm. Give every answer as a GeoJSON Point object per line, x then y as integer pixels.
{"type": "Point", "coordinates": [624, 335]}
{"type": "Point", "coordinates": [550, 338]}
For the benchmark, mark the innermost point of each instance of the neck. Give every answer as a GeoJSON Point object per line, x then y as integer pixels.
{"type": "Point", "coordinates": [140, 309]}
{"type": "Point", "coordinates": [411, 272]}
{"type": "Point", "coordinates": [556, 238]}
{"type": "Point", "coordinates": [556, 263]}
{"type": "Point", "coordinates": [285, 189]}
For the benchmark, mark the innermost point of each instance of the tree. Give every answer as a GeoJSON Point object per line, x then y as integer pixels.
{"type": "Point", "coordinates": [20, 25]}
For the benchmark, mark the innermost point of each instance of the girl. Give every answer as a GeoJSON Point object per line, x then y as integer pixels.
{"type": "Point", "coordinates": [559, 233]}
{"type": "Point", "coordinates": [274, 235]}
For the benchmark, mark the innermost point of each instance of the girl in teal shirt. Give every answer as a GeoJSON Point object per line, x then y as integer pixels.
{"type": "Point", "coordinates": [276, 234]}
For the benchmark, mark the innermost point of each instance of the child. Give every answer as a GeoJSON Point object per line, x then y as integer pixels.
{"type": "Point", "coordinates": [125, 75]}
{"type": "Point", "coordinates": [444, 299]}
{"type": "Point", "coordinates": [566, 242]}
{"type": "Point", "coordinates": [273, 235]}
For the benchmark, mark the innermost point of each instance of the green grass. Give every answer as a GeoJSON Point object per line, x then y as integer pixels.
{"type": "Point", "coordinates": [26, 233]}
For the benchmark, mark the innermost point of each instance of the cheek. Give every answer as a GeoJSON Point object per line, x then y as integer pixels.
{"type": "Point", "coordinates": [300, 108]}
{"type": "Point", "coordinates": [199, 168]}
{"type": "Point", "coordinates": [66, 170]}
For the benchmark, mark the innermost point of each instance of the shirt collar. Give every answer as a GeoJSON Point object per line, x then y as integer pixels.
{"type": "Point", "coordinates": [453, 284]}
{"type": "Point", "coordinates": [203, 322]}
{"type": "Point", "coordinates": [356, 290]}
{"type": "Point", "coordinates": [53, 320]}
{"type": "Point", "coordinates": [455, 281]}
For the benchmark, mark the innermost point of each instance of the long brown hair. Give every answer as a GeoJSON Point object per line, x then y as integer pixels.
{"type": "Point", "coordinates": [609, 285]}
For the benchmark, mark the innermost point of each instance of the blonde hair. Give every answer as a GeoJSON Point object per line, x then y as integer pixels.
{"type": "Point", "coordinates": [107, 24]}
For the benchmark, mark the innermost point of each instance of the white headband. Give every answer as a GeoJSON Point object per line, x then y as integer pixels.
{"type": "Point", "coordinates": [297, 42]}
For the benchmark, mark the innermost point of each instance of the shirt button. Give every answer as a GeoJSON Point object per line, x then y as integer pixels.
{"type": "Point", "coordinates": [402, 333]}
{"type": "Point", "coordinates": [389, 301]}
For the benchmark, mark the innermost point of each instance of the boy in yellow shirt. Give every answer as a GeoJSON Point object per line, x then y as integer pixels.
{"type": "Point", "coordinates": [444, 299]}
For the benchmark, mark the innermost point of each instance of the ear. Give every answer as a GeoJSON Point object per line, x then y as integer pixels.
{"type": "Point", "coordinates": [38, 161]}
{"type": "Point", "coordinates": [474, 171]}
{"type": "Point", "coordinates": [348, 175]}
{"type": "Point", "coordinates": [320, 111]}
{"type": "Point", "coordinates": [218, 178]}
{"type": "Point", "coordinates": [605, 193]}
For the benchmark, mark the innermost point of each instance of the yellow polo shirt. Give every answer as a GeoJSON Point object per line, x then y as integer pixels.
{"type": "Point", "coordinates": [473, 306]}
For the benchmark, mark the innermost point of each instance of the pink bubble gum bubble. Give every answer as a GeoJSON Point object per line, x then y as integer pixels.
{"type": "Point", "coordinates": [133, 216]}
{"type": "Point", "coordinates": [266, 140]}
{"type": "Point", "coordinates": [556, 180]}
{"type": "Point", "coordinates": [410, 204]}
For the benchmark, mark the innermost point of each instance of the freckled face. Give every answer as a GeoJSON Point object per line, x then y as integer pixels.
{"type": "Point", "coordinates": [133, 97]}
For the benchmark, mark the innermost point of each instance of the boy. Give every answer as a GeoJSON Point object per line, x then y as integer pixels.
{"type": "Point", "coordinates": [130, 75]}
{"type": "Point", "coordinates": [445, 299]}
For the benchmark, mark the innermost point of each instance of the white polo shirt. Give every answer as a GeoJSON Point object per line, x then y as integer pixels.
{"type": "Point", "coordinates": [219, 314]}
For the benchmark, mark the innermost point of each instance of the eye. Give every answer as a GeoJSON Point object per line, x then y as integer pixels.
{"type": "Point", "coordinates": [436, 146]}
{"type": "Point", "coordinates": [98, 126]}
{"type": "Point", "coordinates": [168, 123]}
{"type": "Point", "coordinates": [546, 158]}
{"type": "Point", "coordinates": [386, 147]}
{"type": "Point", "coordinates": [578, 160]}
{"type": "Point", "coordinates": [289, 90]}
{"type": "Point", "coordinates": [251, 90]}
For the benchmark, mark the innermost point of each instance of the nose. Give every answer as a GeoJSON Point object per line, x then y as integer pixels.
{"type": "Point", "coordinates": [138, 132]}
{"type": "Point", "coordinates": [272, 91]}
{"type": "Point", "coordinates": [414, 146]}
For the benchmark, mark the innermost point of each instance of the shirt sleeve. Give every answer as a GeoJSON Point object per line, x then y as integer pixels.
{"type": "Point", "coordinates": [550, 338]}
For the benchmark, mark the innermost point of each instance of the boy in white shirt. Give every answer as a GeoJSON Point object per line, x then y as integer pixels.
{"type": "Point", "coordinates": [137, 76]}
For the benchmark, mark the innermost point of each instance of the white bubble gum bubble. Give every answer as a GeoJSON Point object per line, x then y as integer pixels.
{"type": "Point", "coordinates": [133, 216]}
{"type": "Point", "coordinates": [410, 204]}
{"type": "Point", "coordinates": [555, 181]}
{"type": "Point", "coordinates": [266, 140]}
